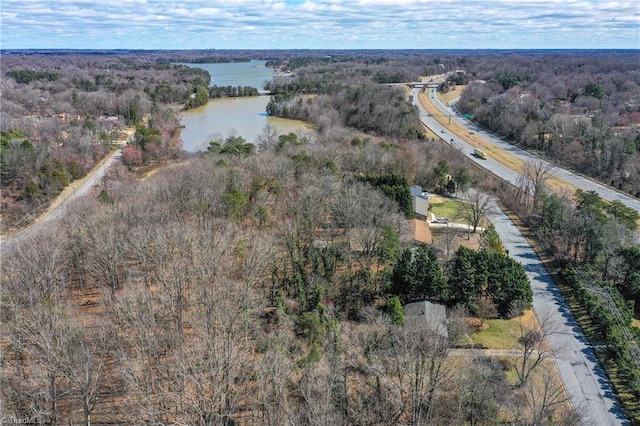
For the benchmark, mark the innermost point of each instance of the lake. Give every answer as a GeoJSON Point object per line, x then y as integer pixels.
{"type": "Point", "coordinates": [253, 73]}
{"type": "Point", "coordinates": [225, 117]}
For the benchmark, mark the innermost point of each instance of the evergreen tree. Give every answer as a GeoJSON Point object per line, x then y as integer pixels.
{"type": "Point", "coordinates": [630, 285]}
{"type": "Point", "coordinates": [507, 283]}
{"type": "Point", "coordinates": [465, 282]}
{"type": "Point", "coordinates": [403, 277]}
{"type": "Point", "coordinates": [395, 309]}
{"type": "Point", "coordinates": [389, 247]}
{"type": "Point", "coordinates": [430, 281]}
{"type": "Point", "coordinates": [489, 240]}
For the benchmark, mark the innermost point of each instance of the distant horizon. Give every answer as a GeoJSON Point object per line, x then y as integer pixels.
{"type": "Point", "coordinates": [319, 25]}
{"type": "Point", "coordinates": [116, 49]}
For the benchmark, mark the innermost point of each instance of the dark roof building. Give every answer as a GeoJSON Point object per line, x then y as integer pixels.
{"type": "Point", "coordinates": [435, 315]}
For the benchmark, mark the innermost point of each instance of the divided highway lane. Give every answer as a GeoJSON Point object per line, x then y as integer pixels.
{"type": "Point", "coordinates": [586, 184]}
{"type": "Point", "coordinates": [588, 386]}
{"type": "Point", "coordinates": [492, 165]}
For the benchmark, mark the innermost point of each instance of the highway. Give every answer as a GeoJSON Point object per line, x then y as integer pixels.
{"type": "Point", "coordinates": [500, 170]}
{"type": "Point", "coordinates": [503, 172]}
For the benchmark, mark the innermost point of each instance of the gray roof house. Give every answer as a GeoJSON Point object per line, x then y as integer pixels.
{"type": "Point", "coordinates": [420, 201]}
{"type": "Point", "coordinates": [435, 315]}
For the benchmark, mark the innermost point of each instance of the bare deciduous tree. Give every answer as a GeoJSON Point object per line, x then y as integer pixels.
{"type": "Point", "coordinates": [533, 344]}
{"type": "Point", "coordinates": [484, 309]}
{"type": "Point", "coordinates": [83, 365]}
{"type": "Point", "coordinates": [364, 213]}
{"type": "Point", "coordinates": [105, 248]}
{"type": "Point", "coordinates": [547, 402]}
{"type": "Point", "coordinates": [273, 374]}
{"type": "Point", "coordinates": [532, 184]}
{"type": "Point", "coordinates": [212, 373]}
{"type": "Point", "coordinates": [474, 207]}
{"type": "Point", "coordinates": [482, 391]}
{"type": "Point", "coordinates": [412, 367]}
{"type": "Point", "coordinates": [40, 338]}
{"type": "Point", "coordinates": [144, 344]}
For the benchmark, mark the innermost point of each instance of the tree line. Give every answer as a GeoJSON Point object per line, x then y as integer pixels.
{"type": "Point", "coordinates": [579, 111]}
{"type": "Point", "coordinates": [469, 277]}
{"type": "Point", "coordinates": [581, 232]}
{"type": "Point", "coordinates": [362, 105]}
{"type": "Point", "coordinates": [232, 91]}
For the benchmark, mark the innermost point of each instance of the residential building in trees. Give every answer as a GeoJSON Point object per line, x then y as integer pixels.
{"type": "Point", "coordinates": [420, 202]}
{"type": "Point", "coordinates": [434, 314]}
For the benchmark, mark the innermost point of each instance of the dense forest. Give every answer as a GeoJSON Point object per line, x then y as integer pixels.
{"type": "Point", "coordinates": [264, 283]}
{"type": "Point", "coordinates": [581, 111]}
{"type": "Point", "coordinates": [251, 287]}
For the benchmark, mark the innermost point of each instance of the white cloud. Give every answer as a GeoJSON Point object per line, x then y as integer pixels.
{"type": "Point", "coordinates": [319, 24]}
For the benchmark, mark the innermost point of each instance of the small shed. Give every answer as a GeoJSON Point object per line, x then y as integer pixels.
{"type": "Point", "coordinates": [434, 314]}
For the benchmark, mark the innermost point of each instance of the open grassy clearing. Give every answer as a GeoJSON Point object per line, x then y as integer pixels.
{"type": "Point", "coordinates": [496, 334]}
{"type": "Point", "coordinates": [501, 333]}
{"type": "Point", "coordinates": [448, 240]}
{"type": "Point", "coordinates": [453, 93]}
{"type": "Point", "coordinates": [444, 207]}
{"type": "Point", "coordinates": [429, 134]}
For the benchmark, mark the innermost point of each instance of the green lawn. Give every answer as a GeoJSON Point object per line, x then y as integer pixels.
{"type": "Point", "coordinates": [446, 209]}
{"type": "Point", "coordinates": [501, 334]}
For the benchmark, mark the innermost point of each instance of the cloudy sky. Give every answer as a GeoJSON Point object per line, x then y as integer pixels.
{"type": "Point", "coordinates": [332, 24]}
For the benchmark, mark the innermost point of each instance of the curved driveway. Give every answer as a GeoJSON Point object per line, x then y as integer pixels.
{"type": "Point", "coordinates": [584, 379]}
{"type": "Point", "coordinates": [502, 171]}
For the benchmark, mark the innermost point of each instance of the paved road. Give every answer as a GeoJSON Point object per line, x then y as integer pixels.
{"type": "Point", "coordinates": [59, 208]}
{"type": "Point", "coordinates": [581, 374]}
{"type": "Point", "coordinates": [504, 172]}
{"type": "Point", "coordinates": [459, 226]}
{"type": "Point", "coordinates": [586, 382]}
{"type": "Point", "coordinates": [515, 353]}
{"type": "Point", "coordinates": [90, 181]}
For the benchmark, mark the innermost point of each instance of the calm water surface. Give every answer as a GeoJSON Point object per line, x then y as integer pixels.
{"type": "Point", "coordinates": [225, 117]}
{"type": "Point", "coordinates": [253, 73]}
